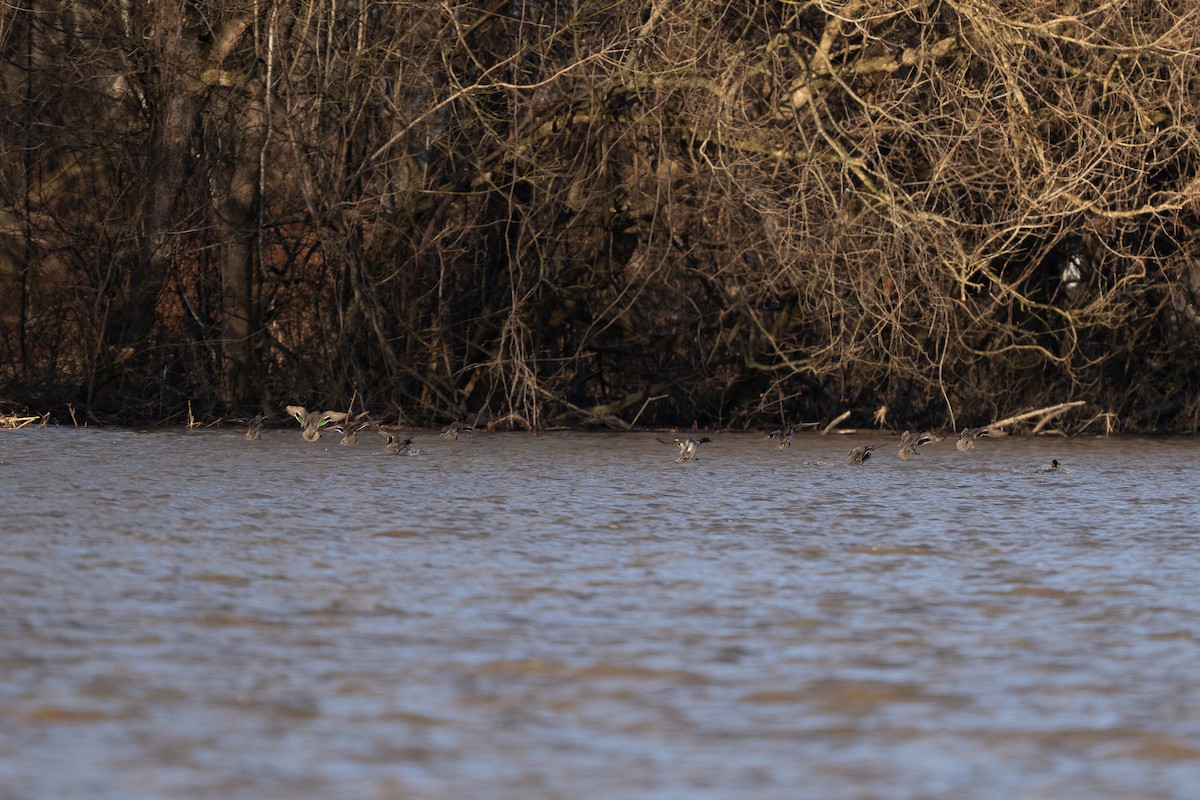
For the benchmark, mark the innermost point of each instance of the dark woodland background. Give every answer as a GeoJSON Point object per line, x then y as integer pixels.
{"type": "Point", "coordinates": [596, 213]}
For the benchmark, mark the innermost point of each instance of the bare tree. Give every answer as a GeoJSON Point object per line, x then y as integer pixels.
{"type": "Point", "coordinates": [554, 213]}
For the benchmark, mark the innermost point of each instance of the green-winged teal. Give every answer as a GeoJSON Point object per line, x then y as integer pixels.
{"type": "Point", "coordinates": [452, 430]}
{"type": "Point", "coordinates": [928, 437]}
{"type": "Point", "coordinates": [350, 432]}
{"type": "Point", "coordinates": [403, 448]}
{"type": "Point", "coordinates": [254, 428]}
{"type": "Point", "coordinates": [687, 447]}
{"type": "Point", "coordinates": [860, 455]}
{"type": "Point", "coordinates": [311, 421]}
{"type": "Point", "coordinates": [784, 435]}
{"type": "Point", "coordinates": [967, 437]}
{"type": "Point", "coordinates": [909, 442]}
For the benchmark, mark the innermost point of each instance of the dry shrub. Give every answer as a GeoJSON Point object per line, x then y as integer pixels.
{"type": "Point", "coordinates": [555, 213]}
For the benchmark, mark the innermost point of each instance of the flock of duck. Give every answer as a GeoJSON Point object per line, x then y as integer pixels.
{"type": "Point", "coordinates": [312, 425]}
{"type": "Point", "coordinates": [909, 442]}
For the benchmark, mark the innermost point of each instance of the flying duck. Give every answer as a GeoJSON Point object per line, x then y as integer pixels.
{"type": "Point", "coordinates": [687, 447]}
{"type": "Point", "coordinates": [860, 455]}
{"type": "Point", "coordinates": [254, 429]}
{"type": "Point", "coordinates": [396, 447]}
{"type": "Point", "coordinates": [311, 421]}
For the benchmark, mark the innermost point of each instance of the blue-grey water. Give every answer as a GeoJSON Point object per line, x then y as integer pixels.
{"type": "Point", "coordinates": [191, 615]}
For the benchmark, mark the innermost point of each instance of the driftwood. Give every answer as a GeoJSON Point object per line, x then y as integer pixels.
{"type": "Point", "coordinates": [15, 421]}
{"type": "Point", "coordinates": [607, 414]}
{"type": "Point", "coordinates": [1045, 414]}
{"type": "Point", "coordinates": [647, 402]}
{"type": "Point", "coordinates": [837, 420]}
{"type": "Point", "coordinates": [1107, 417]}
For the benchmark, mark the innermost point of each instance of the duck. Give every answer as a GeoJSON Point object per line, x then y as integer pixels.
{"type": "Point", "coordinates": [1054, 466]}
{"type": "Point", "coordinates": [860, 455]}
{"type": "Point", "coordinates": [396, 447]}
{"type": "Point", "coordinates": [254, 428]}
{"type": "Point", "coordinates": [311, 421]}
{"type": "Point", "coordinates": [350, 432]}
{"type": "Point", "coordinates": [927, 437]}
{"type": "Point", "coordinates": [784, 435]}
{"type": "Point", "coordinates": [452, 430]}
{"type": "Point", "coordinates": [967, 437]}
{"type": "Point", "coordinates": [687, 447]}
{"type": "Point", "coordinates": [909, 442]}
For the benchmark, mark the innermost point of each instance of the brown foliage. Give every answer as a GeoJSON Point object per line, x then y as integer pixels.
{"type": "Point", "coordinates": [554, 213]}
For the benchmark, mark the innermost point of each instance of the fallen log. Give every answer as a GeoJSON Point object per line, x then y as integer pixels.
{"type": "Point", "coordinates": [835, 422]}
{"type": "Point", "coordinates": [1046, 414]}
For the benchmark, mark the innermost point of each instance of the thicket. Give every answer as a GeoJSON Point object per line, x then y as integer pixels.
{"type": "Point", "coordinates": [548, 213]}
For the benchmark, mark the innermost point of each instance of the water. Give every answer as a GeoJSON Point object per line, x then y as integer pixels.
{"type": "Point", "coordinates": [577, 616]}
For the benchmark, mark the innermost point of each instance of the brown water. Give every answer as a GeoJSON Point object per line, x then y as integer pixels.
{"type": "Point", "coordinates": [577, 616]}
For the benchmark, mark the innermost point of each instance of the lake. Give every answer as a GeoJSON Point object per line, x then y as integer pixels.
{"type": "Point", "coordinates": [572, 615]}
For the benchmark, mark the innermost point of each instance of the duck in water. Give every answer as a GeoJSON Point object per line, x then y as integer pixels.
{"type": "Point", "coordinates": [350, 432]}
{"type": "Point", "coordinates": [311, 421]}
{"type": "Point", "coordinates": [254, 429]}
{"type": "Point", "coordinates": [452, 430]}
{"type": "Point", "coordinates": [1054, 467]}
{"type": "Point", "coordinates": [687, 447]}
{"type": "Point", "coordinates": [860, 455]}
{"type": "Point", "coordinates": [402, 448]}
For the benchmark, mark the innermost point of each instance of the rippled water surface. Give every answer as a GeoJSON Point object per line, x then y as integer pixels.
{"type": "Point", "coordinates": [577, 616]}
